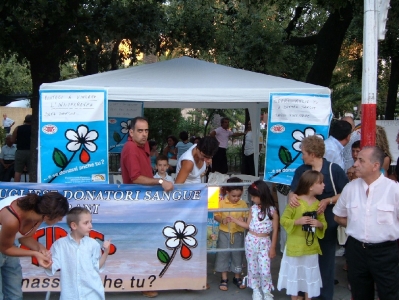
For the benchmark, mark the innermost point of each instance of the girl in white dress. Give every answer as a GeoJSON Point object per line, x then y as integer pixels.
{"type": "Point", "coordinates": [299, 269]}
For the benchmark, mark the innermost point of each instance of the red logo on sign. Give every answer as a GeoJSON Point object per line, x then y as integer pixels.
{"type": "Point", "coordinates": [277, 128]}
{"type": "Point", "coordinates": [49, 129]}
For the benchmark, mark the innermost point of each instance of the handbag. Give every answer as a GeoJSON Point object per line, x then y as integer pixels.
{"type": "Point", "coordinates": [283, 189]}
{"type": "Point", "coordinates": [341, 231]}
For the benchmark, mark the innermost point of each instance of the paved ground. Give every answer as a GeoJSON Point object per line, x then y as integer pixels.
{"type": "Point", "coordinates": [341, 291]}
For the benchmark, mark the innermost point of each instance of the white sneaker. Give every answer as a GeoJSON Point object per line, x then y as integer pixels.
{"type": "Point", "coordinates": [267, 295]}
{"type": "Point", "coordinates": [256, 295]}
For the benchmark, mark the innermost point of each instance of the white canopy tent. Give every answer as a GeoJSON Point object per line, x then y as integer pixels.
{"type": "Point", "coordinates": [191, 83]}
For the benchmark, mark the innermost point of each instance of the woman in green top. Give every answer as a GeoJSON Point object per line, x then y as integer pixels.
{"type": "Point", "coordinates": [299, 270]}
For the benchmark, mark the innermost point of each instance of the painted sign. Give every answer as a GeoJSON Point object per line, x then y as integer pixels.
{"type": "Point", "coordinates": [159, 239]}
{"type": "Point", "coordinates": [293, 117]}
{"type": "Point", "coordinates": [73, 137]}
{"type": "Point", "coordinates": [119, 115]}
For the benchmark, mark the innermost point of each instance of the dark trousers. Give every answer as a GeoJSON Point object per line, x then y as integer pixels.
{"type": "Point", "coordinates": [248, 166]}
{"type": "Point", "coordinates": [373, 264]}
{"type": "Point", "coordinates": [7, 129]}
{"type": "Point", "coordinates": [219, 161]}
{"type": "Point", "coordinates": [327, 259]}
{"type": "Point", "coordinates": [6, 174]}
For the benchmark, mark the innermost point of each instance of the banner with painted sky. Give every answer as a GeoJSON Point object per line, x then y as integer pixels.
{"type": "Point", "coordinates": [119, 115]}
{"type": "Point", "coordinates": [158, 238]}
{"type": "Point", "coordinates": [73, 144]}
{"type": "Point", "coordinates": [291, 118]}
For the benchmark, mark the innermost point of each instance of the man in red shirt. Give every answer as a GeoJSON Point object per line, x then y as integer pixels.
{"type": "Point", "coordinates": [136, 165]}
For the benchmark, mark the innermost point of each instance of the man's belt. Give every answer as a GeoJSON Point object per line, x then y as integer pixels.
{"type": "Point", "coordinates": [374, 245]}
{"type": "Point", "coordinates": [6, 161]}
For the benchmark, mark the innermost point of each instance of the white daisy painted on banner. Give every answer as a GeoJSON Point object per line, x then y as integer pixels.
{"type": "Point", "coordinates": [179, 236]}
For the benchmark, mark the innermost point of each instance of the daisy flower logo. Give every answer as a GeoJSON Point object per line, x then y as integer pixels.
{"type": "Point", "coordinates": [125, 126]}
{"type": "Point", "coordinates": [124, 129]}
{"type": "Point", "coordinates": [285, 155]}
{"type": "Point", "coordinates": [299, 136]}
{"type": "Point", "coordinates": [80, 139]}
{"type": "Point", "coordinates": [180, 236]}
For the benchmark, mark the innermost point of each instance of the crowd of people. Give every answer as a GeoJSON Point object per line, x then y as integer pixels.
{"type": "Point", "coordinates": [308, 265]}
{"type": "Point", "coordinates": [316, 188]}
{"type": "Point", "coordinates": [323, 196]}
{"type": "Point", "coordinates": [326, 191]}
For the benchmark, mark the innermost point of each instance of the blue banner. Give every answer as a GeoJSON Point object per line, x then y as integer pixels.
{"type": "Point", "coordinates": [293, 117]}
{"type": "Point", "coordinates": [119, 115]}
{"type": "Point", "coordinates": [159, 239]}
{"type": "Point", "coordinates": [73, 137]}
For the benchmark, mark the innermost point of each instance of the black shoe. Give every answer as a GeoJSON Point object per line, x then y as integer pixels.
{"type": "Point", "coordinates": [336, 281]}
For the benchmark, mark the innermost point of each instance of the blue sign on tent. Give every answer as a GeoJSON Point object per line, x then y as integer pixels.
{"type": "Point", "coordinates": [73, 145]}
{"type": "Point", "coordinates": [119, 115]}
{"type": "Point", "coordinates": [292, 117]}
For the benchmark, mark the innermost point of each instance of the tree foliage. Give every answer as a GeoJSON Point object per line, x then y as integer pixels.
{"type": "Point", "coordinates": [14, 75]}
{"type": "Point", "coordinates": [48, 33]}
{"type": "Point", "coordinates": [317, 41]}
{"type": "Point", "coordinates": [162, 123]}
{"type": "Point", "coordinates": [389, 52]}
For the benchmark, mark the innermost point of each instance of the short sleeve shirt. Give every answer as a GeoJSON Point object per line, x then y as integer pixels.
{"type": "Point", "coordinates": [372, 218]}
{"type": "Point", "coordinates": [249, 143]}
{"type": "Point", "coordinates": [135, 161]}
{"type": "Point", "coordinates": [232, 227]}
{"type": "Point", "coordinates": [334, 152]}
{"type": "Point", "coordinates": [7, 122]}
{"type": "Point", "coordinates": [8, 153]}
{"type": "Point", "coordinates": [222, 135]}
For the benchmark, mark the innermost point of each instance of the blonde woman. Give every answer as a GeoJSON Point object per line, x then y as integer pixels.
{"type": "Point", "coordinates": [381, 141]}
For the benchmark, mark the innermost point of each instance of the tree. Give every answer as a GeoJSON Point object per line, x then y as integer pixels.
{"type": "Point", "coordinates": [389, 50]}
{"type": "Point", "coordinates": [346, 82]}
{"type": "Point", "coordinates": [14, 75]}
{"type": "Point", "coordinates": [47, 33]}
{"type": "Point", "coordinates": [162, 123]}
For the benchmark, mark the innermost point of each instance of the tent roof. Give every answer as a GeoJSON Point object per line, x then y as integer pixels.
{"type": "Point", "coordinates": [187, 82]}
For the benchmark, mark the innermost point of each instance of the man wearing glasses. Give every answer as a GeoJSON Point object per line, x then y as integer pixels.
{"type": "Point", "coordinates": [222, 134]}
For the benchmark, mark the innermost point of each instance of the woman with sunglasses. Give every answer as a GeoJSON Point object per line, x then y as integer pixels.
{"type": "Point", "coordinates": [20, 217]}
{"type": "Point", "coordinates": [194, 162]}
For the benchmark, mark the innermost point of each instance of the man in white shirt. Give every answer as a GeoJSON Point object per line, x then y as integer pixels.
{"type": "Point", "coordinates": [248, 165]}
{"type": "Point", "coordinates": [340, 134]}
{"type": "Point", "coordinates": [369, 208]}
{"type": "Point", "coordinates": [7, 160]}
{"type": "Point", "coordinates": [7, 123]}
{"type": "Point", "coordinates": [222, 134]}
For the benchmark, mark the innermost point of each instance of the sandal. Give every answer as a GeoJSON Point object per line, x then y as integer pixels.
{"type": "Point", "coordinates": [223, 285]}
{"type": "Point", "coordinates": [238, 283]}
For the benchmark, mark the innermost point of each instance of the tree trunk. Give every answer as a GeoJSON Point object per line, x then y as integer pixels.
{"type": "Point", "coordinates": [208, 120]}
{"type": "Point", "coordinates": [392, 89]}
{"type": "Point", "coordinates": [329, 42]}
{"type": "Point", "coordinates": [43, 69]}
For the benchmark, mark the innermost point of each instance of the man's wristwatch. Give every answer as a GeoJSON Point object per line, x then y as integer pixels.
{"type": "Point", "coordinates": [160, 181]}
